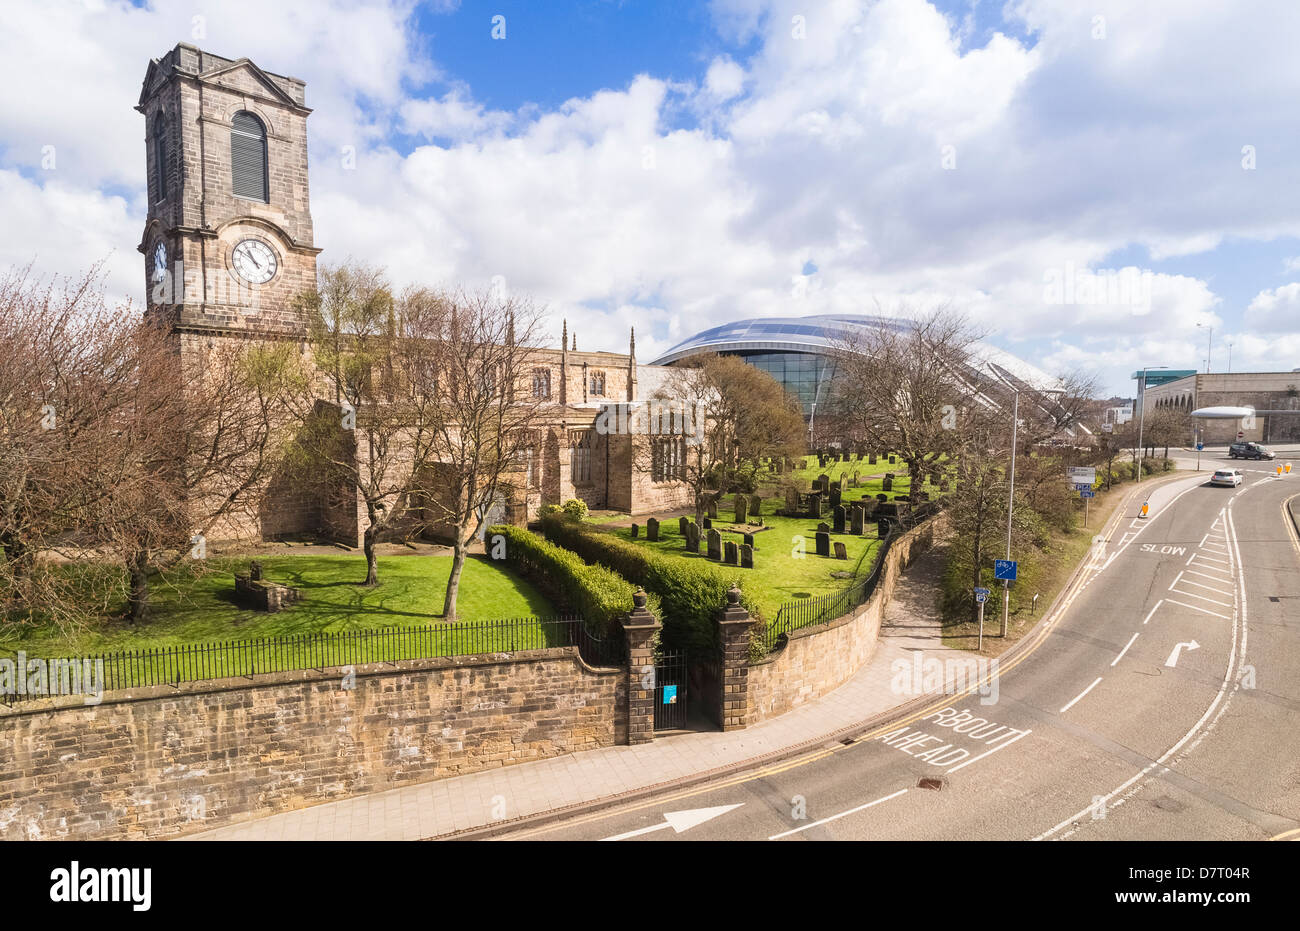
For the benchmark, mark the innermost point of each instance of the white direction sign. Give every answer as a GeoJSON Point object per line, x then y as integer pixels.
{"type": "Point", "coordinates": [1189, 645]}
{"type": "Point", "coordinates": [1081, 475]}
{"type": "Point", "coordinates": [680, 821]}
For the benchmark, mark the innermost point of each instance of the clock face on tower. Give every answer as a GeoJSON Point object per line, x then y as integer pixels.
{"type": "Point", "coordinates": [159, 271]}
{"type": "Point", "coordinates": [254, 261]}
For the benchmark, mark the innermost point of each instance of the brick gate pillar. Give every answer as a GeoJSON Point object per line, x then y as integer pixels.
{"type": "Point", "coordinates": [640, 626]}
{"type": "Point", "coordinates": [733, 632]}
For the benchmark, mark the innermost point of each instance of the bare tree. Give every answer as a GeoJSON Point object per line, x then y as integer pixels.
{"type": "Point", "coordinates": [376, 440]}
{"type": "Point", "coordinates": [900, 384]}
{"type": "Point", "coordinates": [482, 353]}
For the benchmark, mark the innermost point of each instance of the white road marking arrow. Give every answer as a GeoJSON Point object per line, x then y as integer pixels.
{"type": "Point", "coordinates": [680, 821]}
{"type": "Point", "coordinates": [1173, 657]}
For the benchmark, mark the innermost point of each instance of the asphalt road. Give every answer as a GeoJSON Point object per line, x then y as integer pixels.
{"type": "Point", "coordinates": [1164, 704]}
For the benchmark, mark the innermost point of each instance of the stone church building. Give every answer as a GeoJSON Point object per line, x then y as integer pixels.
{"type": "Point", "coordinates": [228, 243]}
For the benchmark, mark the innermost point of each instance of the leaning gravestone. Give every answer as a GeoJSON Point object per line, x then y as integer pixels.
{"type": "Point", "coordinates": [715, 544]}
{"type": "Point", "coordinates": [823, 543]}
{"type": "Point", "coordinates": [841, 551]}
{"type": "Point", "coordinates": [838, 517]}
{"type": "Point", "coordinates": [652, 530]}
{"type": "Point", "coordinates": [746, 556]}
{"type": "Point", "coordinates": [742, 509]}
{"type": "Point", "coordinates": [732, 554]}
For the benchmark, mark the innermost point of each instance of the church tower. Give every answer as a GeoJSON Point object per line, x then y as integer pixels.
{"type": "Point", "coordinates": [228, 237]}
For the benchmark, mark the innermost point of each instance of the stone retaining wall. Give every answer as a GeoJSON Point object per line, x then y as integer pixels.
{"type": "Point", "coordinates": [817, 660]}
{"type": "Point", "coordinates": [167, 761]}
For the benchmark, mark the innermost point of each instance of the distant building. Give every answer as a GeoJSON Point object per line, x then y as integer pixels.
{"type": "Point", "coordinates": [1275, 392]}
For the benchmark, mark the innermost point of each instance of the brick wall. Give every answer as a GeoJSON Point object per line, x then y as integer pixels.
{"type": "Point", "coordinates": [167, 762]}
{"type": "Point", "coordinates": [817, 660]}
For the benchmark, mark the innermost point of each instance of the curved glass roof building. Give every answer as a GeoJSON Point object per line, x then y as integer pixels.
{"type": "Point", "coordinates": [798, 352]}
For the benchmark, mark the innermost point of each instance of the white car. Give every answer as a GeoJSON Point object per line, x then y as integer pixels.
{"type": "Point", "coordinates": [1229, 477]}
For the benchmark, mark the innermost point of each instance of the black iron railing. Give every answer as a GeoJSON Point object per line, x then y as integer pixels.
{"type": "Point", "coordinates": [129, 669]}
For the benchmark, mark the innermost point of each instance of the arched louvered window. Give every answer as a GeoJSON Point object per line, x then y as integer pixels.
{"type": "Point", "coordinates": [159, 159]}
{"type": "Point", "coordinates": [248, 157]}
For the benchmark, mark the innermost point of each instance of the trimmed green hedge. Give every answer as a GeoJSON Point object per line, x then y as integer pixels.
{"type": "Point", "coordinates": [691, 592]}
{"type": "Point", "coordinates": [599, 594]}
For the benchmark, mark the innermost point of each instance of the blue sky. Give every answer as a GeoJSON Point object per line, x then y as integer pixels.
{"type": "Point", "coordinates": [674, 165]}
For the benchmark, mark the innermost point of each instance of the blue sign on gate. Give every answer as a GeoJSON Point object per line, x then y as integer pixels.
{"type": "Point", "coordinates": [670, 694]}
{"type": "Point", "coordinates": [1004, 570]}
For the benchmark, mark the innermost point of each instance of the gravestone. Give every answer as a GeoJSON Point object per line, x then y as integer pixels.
{"type": "Point", "coordinates": [652, 530]}
{"type": "Point", "coordinates": [856, 520]}
{"type": "Point", "coordinates": [856, 479]}
{"type": "Point", "coordinates": [835, 496]}
{"type": "Point", "coordinates": [755, 505]}
{"type": "Point", "coordinates": [823, 527]}
{"type": "Point", "coordinates": [742, 509]}
{"type": "Point", "coordinates": [749, 540]}
{"type": "Point", "coordinates": [823, 484]}
{"type": "Point", "coordinates": [708, 523]}
{"type": "Point", "coordinates": [792, 501]}
{"type": "Point", "coordinates": [823, 543]}
{"type": "Point", "coordinates": [838, 517]}
{"type": "Point", "coordinates": [713, 508]}
{"type": "Point", "coordinates": [715, 544]}
{"type": "Point", "coordinates": [887, 484]}
{"type": "Point", "coordinates": [815, 504]}
{"type": "Point", "coordinates": [892, 459]}
{"type": "Point", "coordinates": [871, 460]}
{"type": "Point", "coordinates": [746, 556]}
{"type": "Point", "coordinates": [841, 551]}
{"type": "Point", "coordinates": [681, 525]}
{"type": "Point", "coordinates": [692, 538]}
{"type": "Point", "coordinates": [635, 531]}
{"type": "Point", "coordinates": [732, 554]}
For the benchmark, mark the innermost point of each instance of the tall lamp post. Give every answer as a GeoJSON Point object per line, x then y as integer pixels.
{"type": "Point", "coordinates": [1209, 344]}
{"type": "Point", "coordinates": [1142, 415]}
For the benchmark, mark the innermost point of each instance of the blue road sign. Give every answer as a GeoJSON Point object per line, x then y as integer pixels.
{"type": "Point", "coordinates": [1081, 486]}
{"type": "Point", "coordinates": [1087, 493]}
{"type": "Point", "coordinates": [981, 595]}
{"type": "Point", "coordinates": [1199, 447]}
{"type": "Point", "coordinates": [670, 694]}
{"type": "Point", "coordinates": [1004, 570]}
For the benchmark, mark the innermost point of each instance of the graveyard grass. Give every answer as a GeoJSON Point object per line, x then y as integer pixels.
{"type": "Point", "coordinates": [781, 572]}
{"type": "Point", "coordinates": [195, 604]}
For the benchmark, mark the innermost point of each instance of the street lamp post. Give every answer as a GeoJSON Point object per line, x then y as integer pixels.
{"type": "Point", "coordinates": [1142, 415]}
{"type": "Point", "coordinates": [1209, 345]}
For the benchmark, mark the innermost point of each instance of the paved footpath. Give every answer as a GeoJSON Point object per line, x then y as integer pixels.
{"type": "Point", "coordinates": [463, 803]}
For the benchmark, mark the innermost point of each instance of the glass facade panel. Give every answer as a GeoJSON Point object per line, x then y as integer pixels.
{"type": "Point", "coordinates": [806, 375]}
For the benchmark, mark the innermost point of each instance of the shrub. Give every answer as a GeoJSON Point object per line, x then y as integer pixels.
{"type": "Point", "coordinates": [547, 509]}
{"type": "Point", "coordinates": [576, 509]}
{"type": "Point", "coordinates": [599, 594]}
{"type": "Point", "coordinates": [690, 592]}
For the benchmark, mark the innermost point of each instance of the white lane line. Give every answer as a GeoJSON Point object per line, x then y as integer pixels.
{"type": "Point", "coordinates": [1221, 604]}
{"type": "Point", "coordinates": [987, 752]}
{"type": "Point", "coordinates": [1210, 587]}
{"type": "Point", "coordinates": [1176, 580]}
{"type": "Point", "coordinates": [1121, 654]}
{"type": "Point", "coordinates": [1204, 576]}
{"type": "Point", "coordinates": [1153, 610]}
{"type": "Point", "coordinates": [840, 815]}
{"type": "Point", "coordinates": [1202, 610]}
{"type": "Point", "coordinates": [1203, 539]}
{"type": "Point", "coordinates": [1083, 693]}
{"type": "Point", "coordinates": [1211, 559]}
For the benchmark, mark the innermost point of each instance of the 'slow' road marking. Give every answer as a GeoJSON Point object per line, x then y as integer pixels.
{"type": "Point", "coordinates": [836, 817]}
{"type": "Point", "coordinates": [1087, 690]}
{"type": "Point", "coordinates": [1118, 658]}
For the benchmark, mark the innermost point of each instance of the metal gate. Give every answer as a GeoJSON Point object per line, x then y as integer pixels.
{"type": "Point", "coordinates": [671, 687]}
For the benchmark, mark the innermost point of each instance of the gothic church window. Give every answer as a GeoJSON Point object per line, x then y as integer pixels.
{"type": "Point", "coordinates": [248, 157]}
{"type": "Point", "coordinates": [159, 159]}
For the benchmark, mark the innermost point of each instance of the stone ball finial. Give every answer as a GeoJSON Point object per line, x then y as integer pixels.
{"type": "Point", "coordinates": [639, 598]}
{"type": "Point", "coordinates": [733, 594]}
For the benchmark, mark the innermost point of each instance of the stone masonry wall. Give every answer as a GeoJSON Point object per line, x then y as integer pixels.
{"type": "Point", "coordinates": [817, 660]}
{"type": "Point", "coordinates": [164, 762]}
